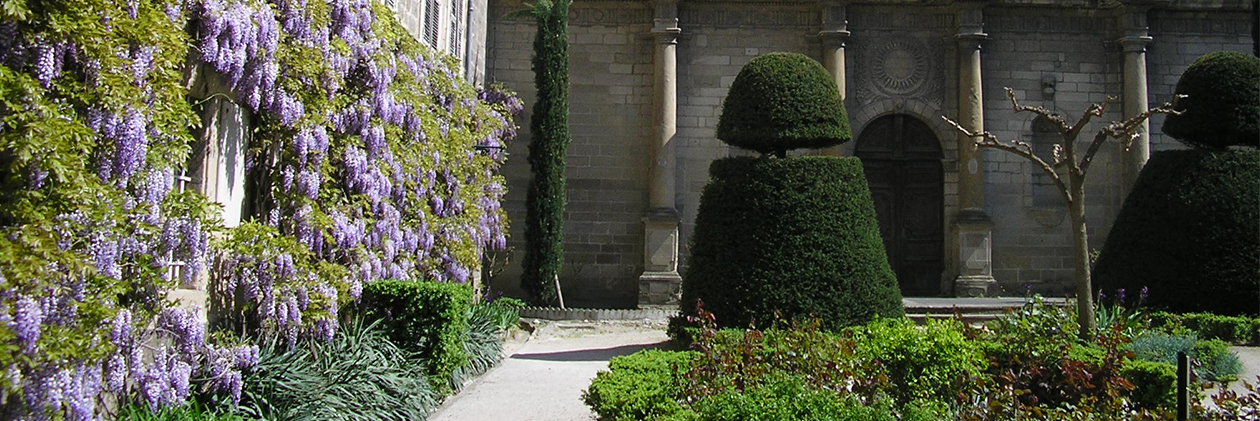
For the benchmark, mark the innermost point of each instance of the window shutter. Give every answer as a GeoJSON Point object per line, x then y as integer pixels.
{"type": "Point", "coordinates": [432, 14]}
{"type": "Point", "coordinates": [457, 29]}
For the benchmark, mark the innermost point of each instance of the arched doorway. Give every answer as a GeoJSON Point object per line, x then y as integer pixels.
{"type": "Point", "coordinates": [902, 159]}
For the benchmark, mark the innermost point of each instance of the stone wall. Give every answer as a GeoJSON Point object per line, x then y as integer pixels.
{"type": "Point", "coordinates": [1072, 48]}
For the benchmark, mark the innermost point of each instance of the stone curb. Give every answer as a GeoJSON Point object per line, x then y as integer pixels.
{"type": "Point", "coordinates": [555, 313]}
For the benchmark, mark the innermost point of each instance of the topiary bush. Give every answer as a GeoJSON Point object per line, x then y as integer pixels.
{"type": "Point", "coordinates": [1222, 103]}
{"type": "Point", "coordinates": [429, 318]}
{"type": "Point", "coordinates": [781, 239]}
{"type": "Point", "coordinates": [1188, 232]}
{"type": "Point", "coordinates": [782, 101]}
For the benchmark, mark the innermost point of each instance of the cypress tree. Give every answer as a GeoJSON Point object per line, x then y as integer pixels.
{"type": "Point", "coordinates": [549, 128]}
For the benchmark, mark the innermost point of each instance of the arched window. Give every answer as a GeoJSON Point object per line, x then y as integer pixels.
{"type": "Point", "coordinates": [1045, 134]}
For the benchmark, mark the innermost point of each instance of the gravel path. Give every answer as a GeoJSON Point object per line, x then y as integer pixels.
{"type": "Point", "coordinates": [543, 378]}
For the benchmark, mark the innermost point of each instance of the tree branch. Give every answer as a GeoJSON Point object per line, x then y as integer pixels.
{"type": "Point", "coordinates": [988, 140]}
{"type": "Point", "coordinates": [1125, 130]}
{"type": "Point", "coordinates": [1049, 115]}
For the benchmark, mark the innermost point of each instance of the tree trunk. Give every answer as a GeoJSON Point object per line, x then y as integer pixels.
{"type": "Point", "coordinates": [1084, 291]}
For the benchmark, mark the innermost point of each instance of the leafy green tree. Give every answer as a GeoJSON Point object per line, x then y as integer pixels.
{"type": "Point", "coordinates": [549, 126]}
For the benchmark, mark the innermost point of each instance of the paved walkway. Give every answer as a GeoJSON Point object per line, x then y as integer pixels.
{"type": "Point", "coordinates": [543, 378]}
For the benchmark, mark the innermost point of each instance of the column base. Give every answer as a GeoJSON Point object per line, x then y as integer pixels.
{"type": "Point", "coordinates": [973, 285]}
{"type": "Point", "coordinates": [660, 288]}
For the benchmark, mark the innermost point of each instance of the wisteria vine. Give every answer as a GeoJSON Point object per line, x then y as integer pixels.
{"type": "Point", "coordinates": [374, 160]}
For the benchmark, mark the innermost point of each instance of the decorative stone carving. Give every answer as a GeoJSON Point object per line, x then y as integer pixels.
{"type": "Point", "coordinates": [900, 68]}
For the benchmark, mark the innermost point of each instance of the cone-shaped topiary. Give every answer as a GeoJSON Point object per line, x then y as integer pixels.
{"type": "Point", "coordinates": [781, 239]}
{"type": "Point", "coordinates": [783, 101]}
{"type": "Point", "coordinates": [1190, 232]}
{"type": "Point", "coordinates": [1222, 103]}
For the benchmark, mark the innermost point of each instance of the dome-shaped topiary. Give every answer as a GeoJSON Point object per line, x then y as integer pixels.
{"type": "Point", "coordinates": [789, 239]}
{"type": "Point", "coordinates": [1222, 103]}
{"type": "Point", "coordinates": [1190, 232]}
{"type": "Point", "coordinates": [783, 101]}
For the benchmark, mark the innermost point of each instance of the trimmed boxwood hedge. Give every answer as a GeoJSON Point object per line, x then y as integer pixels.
{"type": "Point", "coordinates": [782, 101]}
{"type": "Point", "coordinates": [789, 238]}
{"type": "Point", "coordinates": [1190, 231]}
{"type": "Point", "coordinates": [430, 318]}
{"type": "Point", "coordinates": [1222, 103]}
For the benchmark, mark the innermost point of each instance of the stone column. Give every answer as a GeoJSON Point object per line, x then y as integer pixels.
{"type": "Point", "coordinates": [835, 32]}
{"type": "Point", "coordinates": [660, 283]}
{"type": "Point", "coordinates": [1134, 97]}
{"type": "Point", "coordinates": [975, 271]}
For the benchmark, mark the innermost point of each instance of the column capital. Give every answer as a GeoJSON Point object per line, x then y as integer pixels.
{"type": "Point", "coordinates": [1134, 44]}
{"type": "Point", "coordinates": [666, 35]}
{"type": "Point", "coordinates": [971, 40]}
{"type": "Point", "coordinates": [834, 38]}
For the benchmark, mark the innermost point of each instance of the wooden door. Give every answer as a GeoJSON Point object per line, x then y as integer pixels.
{"type": "Point", "coordinates": [902, 160]}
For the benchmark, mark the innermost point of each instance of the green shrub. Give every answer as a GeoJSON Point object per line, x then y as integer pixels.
{"type": "Point", "coordinates": [1188, 232]}
{"type": "Point", "coordinates": [1234, 329]}
{"type": "Point", "coordinates": [788, 398]}
{"type": "Point", "coordinates": [781, 239]}
{"type": "Point", "coordinates": [640, 386]}
{"type": "Point", "coordinates": [1154, 383]}
{"type": "Point", "coordinates": [783, 101]}
{"type": "Point", "coordinates": [1216, 362]}
{"type": "Point", "coordinates": [1222, 107]}
{"type": "Point", "coordinates": [359, 376]}
{"type": "Point", "coordinates": [932, 361]}
{"type": "Point", "coordinates": [429, 318]}
{"type": "Point", "coordinates": [1161, 347]}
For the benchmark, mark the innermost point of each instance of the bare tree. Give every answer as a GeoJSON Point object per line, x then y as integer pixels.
{"type": "Point", "coordinates": [1073, 188]}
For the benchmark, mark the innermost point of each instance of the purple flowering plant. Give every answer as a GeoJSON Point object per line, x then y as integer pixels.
{"type": "Point", "coordinates": [379, 162]}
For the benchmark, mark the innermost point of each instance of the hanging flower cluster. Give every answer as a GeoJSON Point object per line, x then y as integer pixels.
{"type": "Point", "coordinates": [373, 159]}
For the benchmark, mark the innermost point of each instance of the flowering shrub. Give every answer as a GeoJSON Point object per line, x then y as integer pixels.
{"type": "Point", "coordinates": [373, 158]}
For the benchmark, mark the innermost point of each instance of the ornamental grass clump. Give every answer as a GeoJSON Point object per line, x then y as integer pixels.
{"type": "Point", "coordinates": [778, 239]}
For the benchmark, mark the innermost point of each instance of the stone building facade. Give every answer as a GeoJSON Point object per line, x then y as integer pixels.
{"type": "Point", "coordinates": [648, 79]}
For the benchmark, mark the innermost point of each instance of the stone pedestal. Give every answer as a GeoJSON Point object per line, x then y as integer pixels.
{"type": "Point", "coordinates": [660, 283]}
{"type": "Point", "coordinates": [975, 266]}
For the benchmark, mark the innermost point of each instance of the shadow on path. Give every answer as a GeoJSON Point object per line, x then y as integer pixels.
{"type": "Point", "coordinates": [599, 354]}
